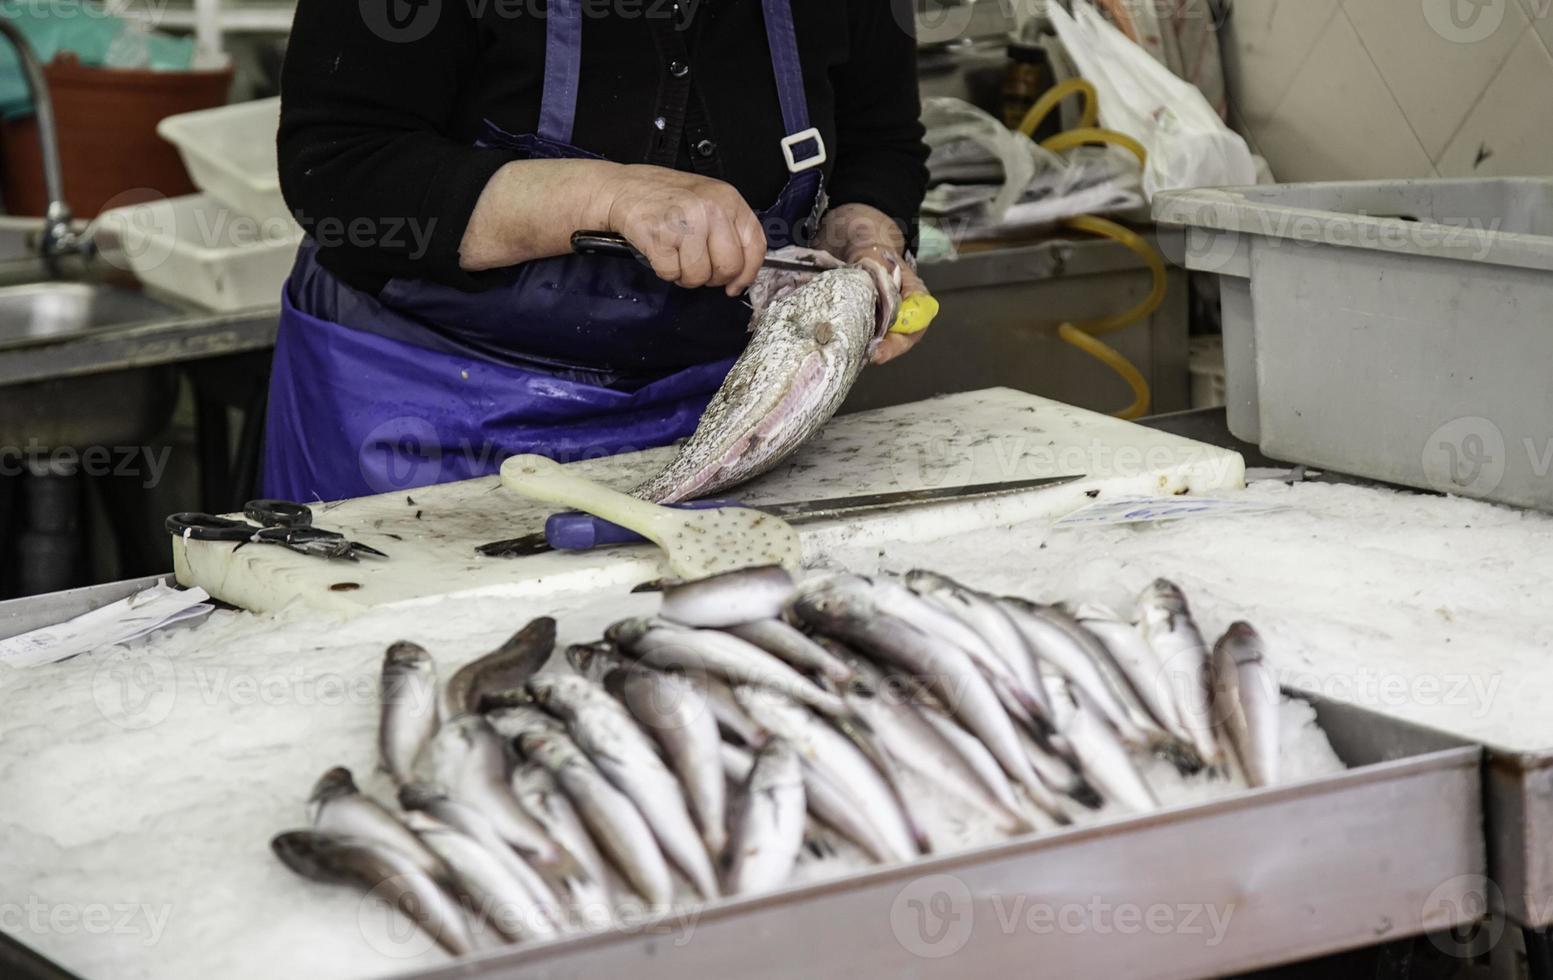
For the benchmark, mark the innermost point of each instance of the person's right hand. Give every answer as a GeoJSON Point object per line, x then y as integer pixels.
{"type": "Point", "coordinates": [695, 231]}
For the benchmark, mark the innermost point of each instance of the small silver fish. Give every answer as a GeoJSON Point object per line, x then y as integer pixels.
{"type": "Point", "coordinates": [807, 351]}
{"type": "Point", "coordinates": [338, 859]}
{"type": "Point", "coordinates": [336, 806]}
{"type": "Point", "coordinates": [615, 823]}
{"type": "Point", "coordinates": [603, 729]}
{"type": "Point", "coordinates": [433, 802]}
{"type": "Point", "coordinates": [837, 760]}
{"type": "Point", "coordinates": [1054, 637]}
{"type": "Point", "coordinates": [667, 646]}
{"type": "Point", "coordinates": [770, 828]}
{"type": "Point", "coordinates": [408, 691]}
{"type": "Point", "coordinates": [1245, 703]}
{"type": "Point", "coordinates": [1107, 766]}
{"type": "Point", "coordinates": [485, 884]}
{"type": "Point", "coordinates": [538, 792]}
{"type": "Point", "coordinates": [472, 761]}
{"type": "Point", "coordinates": [1175, 639]}
{"type": "Point", "coordinates": [827, 804]}
{"type": "Point", "coordinates": [1135, 659]}
{"type": "Point", "coordinates": [729, 598]}
{"type": "Point", "coordinates": [676, 714]}
{"type": "Point", "coordinates": [504, 668]}
{"type": "Point", "coordinates": [912, 742]}
{"type": "Point", "coordinates": [849, 613]}
{"type": "Point", "coordinates": [781, 640]}
{"type": "Point", "coordinates": [1007, 662]}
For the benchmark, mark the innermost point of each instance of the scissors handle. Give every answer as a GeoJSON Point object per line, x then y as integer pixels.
{"type": "Point", "coordinates": [208, 527]}
{"type": "Point", "coordinates": [278, 513]}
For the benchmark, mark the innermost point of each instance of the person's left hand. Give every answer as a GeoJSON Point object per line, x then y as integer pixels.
{"type": "Point", "coordinates": [856, 231]}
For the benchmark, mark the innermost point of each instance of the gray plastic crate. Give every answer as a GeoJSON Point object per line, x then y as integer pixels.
{"type": "Point", "coordinates": [1399, 330]}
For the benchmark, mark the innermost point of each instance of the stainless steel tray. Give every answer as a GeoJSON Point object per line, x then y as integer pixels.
{"type": "Point", "coordinates": [1518, 799]}
{"type": "Point", "coordinates": [1390, 849]}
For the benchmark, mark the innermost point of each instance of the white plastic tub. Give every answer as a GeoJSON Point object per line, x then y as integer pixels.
{"type": "Point", "coordinates": [1400, 330]}
{"type": "Point", "coordinates": [202, 250]}
{"type": "Point", "coordinates": [229, 152]}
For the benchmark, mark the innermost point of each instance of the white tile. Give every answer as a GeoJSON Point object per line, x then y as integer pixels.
{"type": "Point", "coordinates": [1437, 62]}
{"type": "Point", "coordinates": [1511, 128]}
{"type": "Point", "coordinates": [1541, 14]}
{"type": "Point", "coordinates": [1264, 44]}
{"type": "Point", "coordinates": [1339, 121]}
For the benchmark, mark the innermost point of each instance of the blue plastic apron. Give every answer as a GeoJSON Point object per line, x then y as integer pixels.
{"type": "Point", "coordinates": [571, 357]}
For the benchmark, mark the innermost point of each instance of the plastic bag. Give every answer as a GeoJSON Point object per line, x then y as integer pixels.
{"type": "Point", "coordinates": [1188, 144]}
{"type": "Point", "coordinates": [990, 181]}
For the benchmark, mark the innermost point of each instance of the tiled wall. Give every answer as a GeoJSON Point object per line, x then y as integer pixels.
{"type": "Point", "coordinates": [1359, 89]}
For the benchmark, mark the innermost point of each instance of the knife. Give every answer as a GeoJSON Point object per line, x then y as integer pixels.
{"type": "Point", "coordinates": [574, 531]}
{"type": "Point", "coordinates": [609, 243]}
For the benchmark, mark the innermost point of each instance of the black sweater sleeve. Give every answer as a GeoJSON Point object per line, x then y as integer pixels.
{"type": "Point", "coordinates": [363, 162]}
{"type": "Point", "coordinates": [881, 159]}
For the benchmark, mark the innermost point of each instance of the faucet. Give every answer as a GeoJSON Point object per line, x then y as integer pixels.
{"type": "Point", "coordinates": [58, 237]}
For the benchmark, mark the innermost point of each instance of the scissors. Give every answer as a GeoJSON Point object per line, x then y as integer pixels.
{"type": "Point", "coordinates": [281, 522]}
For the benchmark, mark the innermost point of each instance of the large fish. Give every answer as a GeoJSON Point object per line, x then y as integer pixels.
{"type": "Point", "coordinates": [807, 350]}
{"type": "Point", "coordinates": [338, 859]}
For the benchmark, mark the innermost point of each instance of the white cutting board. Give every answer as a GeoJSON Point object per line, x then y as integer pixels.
{"type": "Point", "coordinates": [990, 436]}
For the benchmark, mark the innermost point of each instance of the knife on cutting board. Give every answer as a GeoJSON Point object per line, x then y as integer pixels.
{"type": "Point", "coordinates": [576, 531]}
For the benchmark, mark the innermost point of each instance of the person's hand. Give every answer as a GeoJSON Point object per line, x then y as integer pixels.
{"type": "Point", "coordinates": [852, 232]}
{"type": "Point", "coordinates": [695, 231]}
{"type": "Point", "coordinates": [895, 344]}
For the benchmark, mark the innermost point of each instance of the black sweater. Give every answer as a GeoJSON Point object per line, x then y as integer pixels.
{"type": "Point", "coordinates": [377, 128]}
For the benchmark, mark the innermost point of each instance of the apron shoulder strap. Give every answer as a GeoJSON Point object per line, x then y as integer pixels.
{"type": "Point", "coordinates": [802, 147]}
{"type": "Point", "coordinates": [563, 66]}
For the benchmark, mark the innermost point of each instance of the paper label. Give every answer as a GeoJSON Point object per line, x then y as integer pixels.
{"type": "Point", "coordinates": [135, 616]}
{"type": "Point", "coordinates": [1139, 510]}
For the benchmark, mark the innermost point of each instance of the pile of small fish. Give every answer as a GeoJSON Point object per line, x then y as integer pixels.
{"type": "Point", "coordinates": [755, 717]}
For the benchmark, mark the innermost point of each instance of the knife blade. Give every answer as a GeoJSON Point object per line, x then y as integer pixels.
{"type": "Point", "coordinates": [574, 531]}
{"type": "Point", "coordinates": [610, 243]}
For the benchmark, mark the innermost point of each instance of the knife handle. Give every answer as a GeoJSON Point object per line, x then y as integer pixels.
{"type": "Point", "coordinates": [573, 530]}
{"type": "Point", "coordinates": [606, 243]}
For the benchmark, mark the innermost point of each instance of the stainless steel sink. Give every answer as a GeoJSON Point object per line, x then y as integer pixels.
{"type": "Point", "coordinates": [55, 309]}
{"type": "Point", "coordinates": [121, 408]}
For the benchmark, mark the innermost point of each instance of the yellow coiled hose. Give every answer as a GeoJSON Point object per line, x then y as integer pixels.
{"type": "Point", "coordinates": [1083, 334]}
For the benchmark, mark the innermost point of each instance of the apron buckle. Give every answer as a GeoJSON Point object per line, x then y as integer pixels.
{"type": "Point", "coordinates": [789, 143]}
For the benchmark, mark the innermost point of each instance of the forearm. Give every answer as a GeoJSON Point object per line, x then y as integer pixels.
{"type": "Point", "coordinates": [529, 210]}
